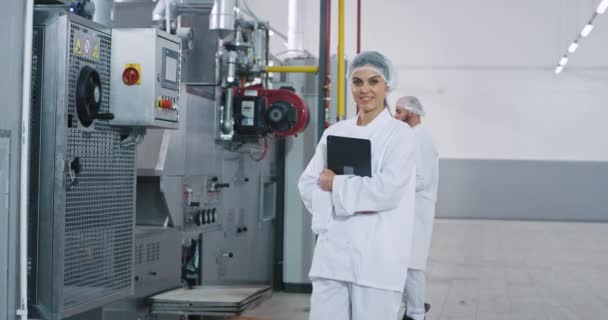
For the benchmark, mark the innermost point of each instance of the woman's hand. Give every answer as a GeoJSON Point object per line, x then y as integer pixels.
{"type": "Point", "coordinates": [326, 179]}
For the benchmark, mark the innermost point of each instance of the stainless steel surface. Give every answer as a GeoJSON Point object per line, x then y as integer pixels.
{"type": "Point", "coordinates": [193, 7]}
{"type": "Point", "coordinates": [86, 219]}
{"type": "Point", "coordinates": [199, 62]}
{"type": "Point", "coordinates": [103, 12]}
{"type": "Point", "coordinates": [138, 104]}
{"type": "Point", "coordinates": [210, 300]}
{"type": "Point", "coordinates": [259, 47]}
{"type": "Point", "coordinates": [223, 17]}
{"type": "Point", "coordinates": [157, 260]}
{"type": "Point", "coordinates": [176, 170]}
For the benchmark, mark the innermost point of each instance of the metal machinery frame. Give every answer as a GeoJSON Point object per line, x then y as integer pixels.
{"type": "Point", "coordinates": [83, 188]}
{"type": "Point", "coordinates": [116, 215]}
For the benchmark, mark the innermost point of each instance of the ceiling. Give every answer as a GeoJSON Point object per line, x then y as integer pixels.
{"type": "Point", "coordinates": [484, 33]}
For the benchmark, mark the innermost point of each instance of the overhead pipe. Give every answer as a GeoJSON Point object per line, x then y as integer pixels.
{"type": "Point", "coordinates": [341, 71]}
{"type": "Point", "coordinates": [295, 27]}
{"type": "Point", "coordinates": [292, 69]}
{"type": "Point", "coordinates": [25, 157]}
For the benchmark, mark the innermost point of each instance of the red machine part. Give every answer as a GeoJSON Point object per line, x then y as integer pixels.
{"type": "Point", "coordinates": [276, 95]}
{"type": "Point", "coordinates": [130, 76]}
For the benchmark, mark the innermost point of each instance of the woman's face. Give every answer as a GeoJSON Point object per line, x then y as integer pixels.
{"type": "Point", "coordinates": [369, 90]}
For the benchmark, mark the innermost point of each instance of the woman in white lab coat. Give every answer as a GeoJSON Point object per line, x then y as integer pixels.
{"type": "Point", "coordinates": [359, 262]}
{"type": "Point", "coordinates": [410, 110]}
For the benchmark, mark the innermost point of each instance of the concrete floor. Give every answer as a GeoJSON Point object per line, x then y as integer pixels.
{"type": "Point", "coordinates": [499, 270]}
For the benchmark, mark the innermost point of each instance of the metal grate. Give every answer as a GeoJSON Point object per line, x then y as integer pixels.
{"type": "Point", "coordinates": [139, 254]}
{"type": "Point", "coordinates": [152, 252]}
{"type": "Point", "coordinates": [100, 205]}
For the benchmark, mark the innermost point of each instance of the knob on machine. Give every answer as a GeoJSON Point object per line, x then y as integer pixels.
{"type": "Point", "coordinates": [89, 95]}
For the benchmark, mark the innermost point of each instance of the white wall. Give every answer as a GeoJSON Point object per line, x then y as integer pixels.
{"type": "Point", "coordinates": [484, 70]}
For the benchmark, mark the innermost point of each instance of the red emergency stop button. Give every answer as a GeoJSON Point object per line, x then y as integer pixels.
{"type": "Point", "coordinates": [165, 103]}
{"type": "Point", "coordinates": [130, 76]}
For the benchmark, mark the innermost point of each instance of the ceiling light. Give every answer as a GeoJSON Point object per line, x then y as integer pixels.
{"type": "Point", "coordinates": [602, 7]}
{"type": "Point", "coordinates": [573, 46]}
{"type": "Point", "coordinates": [563, 61]}
{"type": "Point", "coordinates": [586, 30]}
{"type": "Point", "coordinates": [559, 69]}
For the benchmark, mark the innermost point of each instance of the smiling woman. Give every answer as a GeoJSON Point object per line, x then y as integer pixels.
{"type": "Point", "coordinates": [372, 77]}
{"type": "Point", "coordinates": [364, 224]}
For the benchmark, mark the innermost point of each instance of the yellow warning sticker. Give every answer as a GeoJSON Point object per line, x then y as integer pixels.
{"type": "Point", "coordinates": [137, 67]}
{"type": "Point", "coordinates": [77, 47]}
{"type": "Point", "coordinates": [96, 51]}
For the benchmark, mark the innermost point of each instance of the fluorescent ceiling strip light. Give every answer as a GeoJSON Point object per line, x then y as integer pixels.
{"type": "Point", "coordinates": [602, 7]}
{"type": "Point", "coordinates": [586, 30]}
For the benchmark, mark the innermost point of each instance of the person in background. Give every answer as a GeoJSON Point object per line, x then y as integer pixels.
{"type": "Point", "coordinates": [358, 264]}
{"type": "Point", "coordinates": [410, 110]}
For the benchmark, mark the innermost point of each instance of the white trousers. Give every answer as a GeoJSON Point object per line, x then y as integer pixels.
{"type": "Point", "coordinates": [338, 300]}
{"type": "Point", "coordinates": [414, 294]}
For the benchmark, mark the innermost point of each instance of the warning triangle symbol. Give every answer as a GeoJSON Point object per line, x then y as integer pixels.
{"type": "Point", "coordinates": [96, 51]}
{"type": "Point", "coordinates": [77, 47]}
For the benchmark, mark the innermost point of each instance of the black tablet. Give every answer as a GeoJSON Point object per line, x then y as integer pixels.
{"type": "Point", "coordinates": [349, 156]}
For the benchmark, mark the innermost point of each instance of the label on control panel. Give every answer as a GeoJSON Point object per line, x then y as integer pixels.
{"type": "Point", "coordinates": [247, 113]}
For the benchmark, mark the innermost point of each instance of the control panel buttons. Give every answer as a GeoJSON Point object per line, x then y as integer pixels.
{"type": "Point", "coordinates": [130, 76]}
{"type": "Point", "coordinates": [164, 103]}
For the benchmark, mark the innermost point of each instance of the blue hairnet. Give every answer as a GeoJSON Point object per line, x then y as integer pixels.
{"type": "Point", "coordinates": [377, 61]}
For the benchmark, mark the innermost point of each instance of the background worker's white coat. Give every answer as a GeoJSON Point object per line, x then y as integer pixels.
{"type": "Point", "coordinates": [365, 248]}
{"type": "Point", "coordinates": [427, 179]}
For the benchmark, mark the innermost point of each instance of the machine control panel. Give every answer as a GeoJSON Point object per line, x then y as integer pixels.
{"type": "Point", "coordinates": [201, 200]}
{"type": "Point", "coordinates": [145, 78]}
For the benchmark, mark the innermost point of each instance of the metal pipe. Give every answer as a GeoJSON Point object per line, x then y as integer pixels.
{"type": "Point", "coordinates": [103, 12]}
{"type": "Point", "coordinates": [223, 18]}
{"type": "Point", "coordinates": [358, 26]}
{"type": "Point", "coordinates": [292, 69]}
{"type": "Point", "coordinates": [227, 123]}
{"type": "Point", "coordinates": [25, 156]}
{"type": "Point", "coordinates": [323, 67]}
{"type": "Point", "coordinates": [267, 56]}
{"type": "Point", "coordinates": [159, 9]}
{"type": "Point", "coordinates": [341, 71]}
{"type": "Point", "coordinates": [327, 63]}
{"type": "Point", "coordinates": [168, 16]}
{"type": "Point", "coordinates": [295, 25]}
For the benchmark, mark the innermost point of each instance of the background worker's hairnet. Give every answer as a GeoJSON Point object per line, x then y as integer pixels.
{"type": "Point", "coordinates": [411, 104]}
{"type": "Point", "coordinates": [376, 61]}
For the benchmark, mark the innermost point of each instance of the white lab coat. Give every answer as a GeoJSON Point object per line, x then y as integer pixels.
{"type": "Point", "coordinates": [427, 179]}
{"type": "Point", "coordinates": [354, 246]}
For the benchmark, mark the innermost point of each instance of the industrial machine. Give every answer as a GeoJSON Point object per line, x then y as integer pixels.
{"type": "Point", "coordinates": [250, 112]}
{"type": "Point", "coordinates": [145, 183]}
{"type": "Point", "coordinates": [83, 189]}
